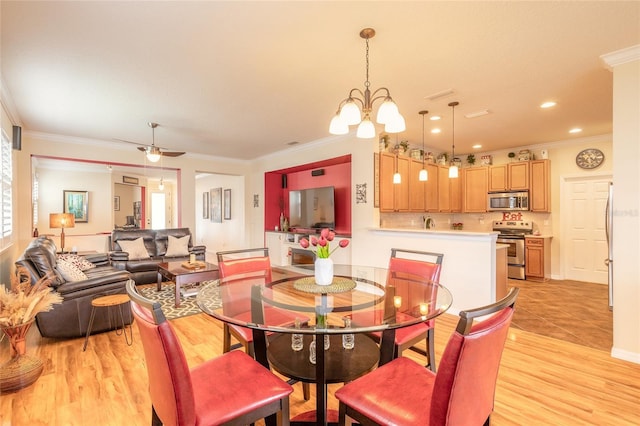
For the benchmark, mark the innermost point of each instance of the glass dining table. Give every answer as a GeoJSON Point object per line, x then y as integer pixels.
{"type": "Point", "coordinates": [322, 334]}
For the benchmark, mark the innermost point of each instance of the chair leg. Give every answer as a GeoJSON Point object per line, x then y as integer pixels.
{"type": "Point", "coordinates": [306, 393]}
{"type": "Point", "coordinates": [342, 414]}
{"type": "Point", "coordinates": [226, 338]}
{"type": "Point", "coordinates": [431, 353]}
{"type": "Point", "coordinates": [155, 420]}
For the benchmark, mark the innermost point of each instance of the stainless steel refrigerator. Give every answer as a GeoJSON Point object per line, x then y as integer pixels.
{"type": "Point", "coordinates": [609, 233]}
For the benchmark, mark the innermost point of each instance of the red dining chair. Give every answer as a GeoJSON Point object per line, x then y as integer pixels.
{"type": "Point", "coordinates": [427, 265]}
{"type": "Point", "coordinates": [230, 389]}
{"type": "Point", "coordinates": [462, 392]}
{"type": "Point", "coordinates": [244, 262]}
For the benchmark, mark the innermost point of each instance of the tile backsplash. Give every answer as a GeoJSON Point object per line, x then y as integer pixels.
{"type": "Point", "coordinates": [473, 222]}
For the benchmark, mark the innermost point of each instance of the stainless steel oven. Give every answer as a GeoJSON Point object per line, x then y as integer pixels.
{"type": "Point", "coordinates": [512, 234]}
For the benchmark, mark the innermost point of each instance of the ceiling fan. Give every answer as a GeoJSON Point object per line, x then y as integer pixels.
{"type": "Point", "coordinates": [154, 152]}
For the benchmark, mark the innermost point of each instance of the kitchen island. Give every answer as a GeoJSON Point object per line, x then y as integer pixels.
{"type": "Point", "coordinates": [468, 268]}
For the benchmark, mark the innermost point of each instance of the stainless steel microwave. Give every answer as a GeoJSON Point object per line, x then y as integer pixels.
{"type": "Point", "coordinates": [507, 201]}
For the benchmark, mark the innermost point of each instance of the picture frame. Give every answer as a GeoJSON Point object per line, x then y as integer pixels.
{"type": "Point", "coordinates": [205, 205]}
{"type": "Point", "coordinates": [116, 203]}
{"type": "Point", "coordinates": [130, 180]}
{"type": "Point", "coordinates": [215, 199]}
{"type": "Point", "coordinates": [227, 204]}
{"type": "Point", "coordinates": [77, 203]}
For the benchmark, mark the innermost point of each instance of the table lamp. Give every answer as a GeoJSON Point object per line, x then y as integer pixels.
{"type": "Point", "coordinates": [62, 220]}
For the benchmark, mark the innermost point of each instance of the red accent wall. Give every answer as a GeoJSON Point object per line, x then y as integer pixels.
{"type": "Point", "coordinates": [336, 175]}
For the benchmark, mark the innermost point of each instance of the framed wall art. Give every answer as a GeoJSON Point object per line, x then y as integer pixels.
{"type": "Point", "coordinates": [131, 180]}
{"type": "Point", "coordinates": [215, 198]}
{"type": "Point", "coordinates": [116, 203]}
{"type": "Point", "coordinates": [205, 205]}
{"type": "Point", "coordinates": [77, 202]}
{"type": "Point", "coordinates": [227, 204]}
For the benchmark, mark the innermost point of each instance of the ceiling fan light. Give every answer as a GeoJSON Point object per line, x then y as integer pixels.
{"type": "Point", "coordinates": [338, 126]}
{"type": "Point", "coordinates": [350, 113]}
{"type": "Point", "coordinates": [387, 111]}
{"type": "Point", "coordinates": [453, 172]}
{"type": "Point", "coordinates": [153, 154]}
{"type": "Point", "coordinates": [396, 125]}
{"type": "Point", "coordinates": [423, 176]}
{"type": "Point", "coordinates": [366, 129]}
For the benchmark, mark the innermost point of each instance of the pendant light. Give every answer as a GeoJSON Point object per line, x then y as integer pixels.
{"type": "Point", "coordinates": [397, 178]}
{"type": "Point", "coordinates": [358, 103]}
{"type": "Point", "coordinates": [453, 169]}
{"type": "Point", "coordinates": [423, 176]}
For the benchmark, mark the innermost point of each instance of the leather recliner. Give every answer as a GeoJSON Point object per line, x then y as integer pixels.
{"type": "Point", "coordinates": [71, 317]}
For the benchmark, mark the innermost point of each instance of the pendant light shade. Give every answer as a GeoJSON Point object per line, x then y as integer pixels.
{"type": "Point", "coordinates": [423, 176]}
{"type": "Point", "coordinates": [397, 178]}
{"type": "Point", "coordinates": [453, 170]}
{"type": "Point", "coordinates": [360, 103]}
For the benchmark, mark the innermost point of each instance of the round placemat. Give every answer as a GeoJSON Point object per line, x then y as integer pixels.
{"type": "Point", "coordinates": [338, 285]}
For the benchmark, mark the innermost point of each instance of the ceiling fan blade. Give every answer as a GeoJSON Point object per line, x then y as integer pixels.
{"type": "Point", "coordinates": [172, 154]}
{"type": "Point", "coordinates": [142, 148]}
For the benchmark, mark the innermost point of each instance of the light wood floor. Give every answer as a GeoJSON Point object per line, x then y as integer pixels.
{"type": "Point", "coordinates": [542, 381]}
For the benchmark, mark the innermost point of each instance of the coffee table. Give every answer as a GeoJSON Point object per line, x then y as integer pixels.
{"type": "Point", "coordinates": [182, 273]}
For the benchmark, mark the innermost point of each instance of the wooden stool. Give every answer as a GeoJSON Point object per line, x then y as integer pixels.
{"type": "Point", "coordinates": [109, 301]}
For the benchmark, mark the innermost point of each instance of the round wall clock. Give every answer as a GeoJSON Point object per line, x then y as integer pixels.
{"type": "Point", "coordinates": [589, 158]}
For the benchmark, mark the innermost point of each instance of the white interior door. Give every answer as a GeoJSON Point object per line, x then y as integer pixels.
{"type": "Point", "coordinates": [158, 210]}
{"type": "Point", "coordinates": [584, 224]}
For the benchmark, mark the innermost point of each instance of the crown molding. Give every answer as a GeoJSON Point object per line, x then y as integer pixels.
{"type": "Point", "coordinates": [7, 103]}
{"type": "Point", "coordinates": [622, 56]}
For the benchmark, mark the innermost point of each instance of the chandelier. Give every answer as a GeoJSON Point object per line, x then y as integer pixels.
{"type": "Point", "coordinates": [358, 107]}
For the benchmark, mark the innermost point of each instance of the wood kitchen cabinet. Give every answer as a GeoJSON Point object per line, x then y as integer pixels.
{"type": "Point", "coordinates": [509, 177]}
{"type": "Point", "coordinates": [539, 193]}
{"type": "Point", "coordinates": [455, 193]}
{"type": "Point", "coordinates": [431, 188]}
{"type": "Point", "coordinates": [537, 258]}
{"type": "Point", "coordinates": [474, 190]}
{"type": "Point", "coordinates": [444, 189]}
{"type": "Point", "coordinates": [416, 187]}
{"type": "Point", "coordinates": [394, 197]}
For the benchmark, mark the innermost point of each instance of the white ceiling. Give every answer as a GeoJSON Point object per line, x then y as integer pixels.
{"type": "Point", "coordinates": [242, 79]}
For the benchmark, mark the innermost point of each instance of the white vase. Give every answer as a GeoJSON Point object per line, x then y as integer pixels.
{"type": "Point", "coordinates": [324, 271]}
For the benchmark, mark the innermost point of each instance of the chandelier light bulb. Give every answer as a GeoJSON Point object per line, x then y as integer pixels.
{"type": "Point", "coordinates": [366, 129]}
{"type": "Point", "coordinates": [350, 113]}
{"type": "Point", "coordinates": [338, 126]}
{"type": "Point", "coordinates": [396, 125]}
{"type": "Point", "coordinates": [387, 111]}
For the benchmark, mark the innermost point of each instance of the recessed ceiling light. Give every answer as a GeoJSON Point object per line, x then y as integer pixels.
{"type": "Point", "coordinates": [575, 130]}
{"type": "Point", "coordinates": [476, 146]}
{"type": "Point", "coordinates": [435, 118]}
{"type": "Point", "coordinates": [548, 104]}
{"type": "Point", "coordinates": [435, 130]}
{"type": "Point", "coordinates": [477, 113]}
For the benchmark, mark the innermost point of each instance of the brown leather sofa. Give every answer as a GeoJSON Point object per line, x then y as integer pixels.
{"type": "Point", "coordinates": [71, 318]}
{"type": "Point", "coordinates": [145, 271]}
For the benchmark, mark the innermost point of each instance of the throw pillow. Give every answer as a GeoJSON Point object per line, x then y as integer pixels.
{"type": "Point", "coordinates": [178, 246]}
{"type": "Point", "coordinates": [135, 248]}
{"type": "Point", "coordinates": [69, 271]}
{"type": "Point", "coordinates": [77, 261]}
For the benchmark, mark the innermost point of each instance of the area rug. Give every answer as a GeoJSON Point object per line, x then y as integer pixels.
{"type": "Point", "coordinates": [167, 299]}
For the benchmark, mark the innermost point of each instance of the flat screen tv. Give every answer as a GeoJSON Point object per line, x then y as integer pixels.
{"type": "Point", "coordinates": [312, 208]}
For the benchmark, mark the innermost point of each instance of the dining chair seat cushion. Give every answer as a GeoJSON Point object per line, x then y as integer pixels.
{"type": "Point", "coordinates": [384, 394]}
{"type": "Point", "coordinates": [229, 375]}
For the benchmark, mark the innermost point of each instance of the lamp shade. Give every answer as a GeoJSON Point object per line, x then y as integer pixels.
{"type": "Point", "coordinates": [62, 220]}
{"type": "Point", "coordinates": [366, 129]}
{"type": "Point", "coordinates": [338, 126]}
{"type": "Point", "coordinates": [387, 111]}
{"type": "Point", "coordinates": [350, 113]}
{"type": "Point", "coordinates": [153, 154]}
{"type": "Point", "coordinates": [396, 125]}
{"type": "Point", "coordinates": [453, 171]}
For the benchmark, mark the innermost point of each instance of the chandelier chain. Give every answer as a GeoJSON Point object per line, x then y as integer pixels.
{"type": "Point", "coordinates": [366, 83]}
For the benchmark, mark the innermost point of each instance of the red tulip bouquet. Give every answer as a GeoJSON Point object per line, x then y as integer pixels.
{"type": "Point", "coordinates": [321, 244]}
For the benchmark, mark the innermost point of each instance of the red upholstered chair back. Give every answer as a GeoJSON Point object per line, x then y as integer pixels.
{"type": "Point", "coordinates": [466, 381]}
{"type": "Point", "coordinates": [420, 263]}
{"type": "Point", "coordinates": [170, 384]}
{"type": "Point", "coordinates": [244, 261]}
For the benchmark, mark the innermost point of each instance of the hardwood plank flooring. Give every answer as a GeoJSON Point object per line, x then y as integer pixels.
{"type": "Point", "coordinates": [542, 380]}
{"type": "Point", "coordinates": [572, 311]}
